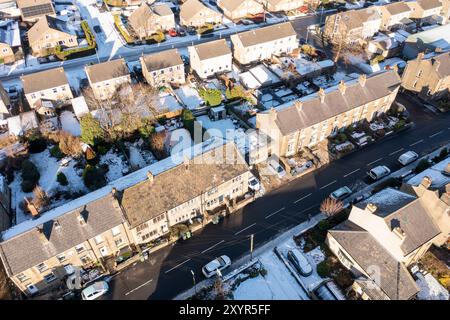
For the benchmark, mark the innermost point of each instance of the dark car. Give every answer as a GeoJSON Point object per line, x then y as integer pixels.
{"type": "Point", "coordinates": [181, 32]}
{"type": "Point", "coordinates": [191, 31]}
{"type": "Point", "coordinates": [302, 40]}
{"type": "Point", "coordinates": [84, 83]}
{"type": "Point", "coordinates": [97, 29]}
{"type": "Point", "coordinates": [207, 35]}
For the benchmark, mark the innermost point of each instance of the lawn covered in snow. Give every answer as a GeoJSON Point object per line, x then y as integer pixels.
{"type": "Point", "coordinates": [190, 97]}
{"type": "Point", "coordinates": [430, 288]}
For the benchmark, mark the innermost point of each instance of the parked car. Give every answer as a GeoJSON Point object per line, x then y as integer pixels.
{"type": "Point", "coordinates": [341, 193]}
{"type": "Point", "coordinates": [13, 93]}
{"type": "Point", "coordinates": [219, 263]}
{"type": "Point", "coordinates": [182, 32]}
{"type": "Point", "coordinates": [95, 290]}
{"type": "Point", "coordinates": [300, 262]}
{"type": "Point", "coordinates": [407, 158]}
{"type": "Point", "coordinates": [446, 171]}
{"type": "Point", "coordinates": [97, 29]}
{"type": "Point", "coordinates": [245, 22]}
{"type": "Point", "coordinates": [253, 184]}
{"type": "Point", "coordinates": [379, 172]}
{"type": "Point", "coordinates": [173, 32]}
{"type": "Point", "coordinates": [277, 168]}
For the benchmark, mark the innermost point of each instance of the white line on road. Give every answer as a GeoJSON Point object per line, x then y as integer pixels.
{"type": "Point", "coordinates": [144, 284]}
{"type": "Point", "coordinates": [273, 213]}
{"type": "Point", "coordinates": [213, 246]}
{"type": "Point", "coordinates": [371, 163]}
{"type": "Point", "coordinates": [417, 142]}
{"type": "Point", "coordinates": [244, 229]}
{"type": "Point", "coordinates": [177, 265]}
{"type": "Point", "coordinates": [327, 185]}
{"type": "Point", "coordinates": [392, 153]}
{"type": "Point", "coordinates": [435, 134]}
{"type": "Point", "coordinates": [309, 208]}
{"type": "Point", "coordinates": [302, 198]}
{"type": "Point", "coordinates": [345, 176]}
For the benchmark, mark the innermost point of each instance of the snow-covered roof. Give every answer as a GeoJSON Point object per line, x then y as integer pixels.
{"type": "Point", "coordinates": [438, 180]}
{"type": "Point", "coordinates": [80, 106]}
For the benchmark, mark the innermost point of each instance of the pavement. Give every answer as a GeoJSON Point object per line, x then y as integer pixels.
{"type": "Point", "coordinates": [167, 272]}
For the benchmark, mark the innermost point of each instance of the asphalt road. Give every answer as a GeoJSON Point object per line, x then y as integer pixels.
{"type": "Point", "coordinates": [300, 25]}
{"type": "Point", "coordinates": [167, 272]}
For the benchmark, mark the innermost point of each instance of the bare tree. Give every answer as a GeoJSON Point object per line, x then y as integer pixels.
{"type": "Point", "coordinates": [331, 207]}
{"type": "Point", "coordinates": [219, 290]}
{"type": "Point", "coordinates": [157, 144]}
{"type": "Point", "coordinates": [41, 199]}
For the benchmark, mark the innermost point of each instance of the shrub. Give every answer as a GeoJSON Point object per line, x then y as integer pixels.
{"type": "Point", "coordinates": [442, 155]}
{"type": "Point", "coordinates": [422, 166]}
{"type": "Point", "coordinates": [91, 131]}
{"type": "Point", "coordinates": [30, 176]}
{"type": "Point", "coordinates": [331, 207]}
{"type": "Point", "coordinates": [188, 120]}
{"type": "Point", "coordinates": [56, 152]}
{"type": "Point", "coordinates": [62, 179]}
{"type": "Point", "coordinates": [323, 269]}
{"type": "Point", "coordinates": [237, 92]}
{"type": "Point", "coordinates": [400, 124]}
{"type": "Point", "coordinates": [157, 144]}
{"type": "Point", "coordinates": [94, 177]}
{"type": "Point", "coordinates": [263, 272]}
{"type": "Point", "coordinates": [146, 129]}
{"type": "Point", "coordinates": [212, 97]}
{"type": "Point", "coordinates": [36, 143]}
{"type": "Point", "coordinates": [323, 225]}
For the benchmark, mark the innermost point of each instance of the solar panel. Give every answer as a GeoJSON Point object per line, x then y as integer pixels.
{"type": "Point", "coordinates": [38, 10]}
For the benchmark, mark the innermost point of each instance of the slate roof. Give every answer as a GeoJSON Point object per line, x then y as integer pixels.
{"type": "Point", "coordinates": [46, 24]}
{"type": "Point", "coordinates": [397, 8]}
{"type": "Point", "coordinates": [190, 8]}
{"type": "Point", "coordinates": [395, 280]}
{"type": "Point", "coordinates": [28, 249]}
{"type": "Point", "coordinates": [107, 70]}
{"type": "Point", "coordinates": [212, 49]}
{"type": "Point", "coordinates": [162, 60]}
{"type": "Point", "coordinates": [290, 119]}
{"type": "Point", "coordinates": [266, 34]}
{"type": "Point", "coordinates": [182, 183]}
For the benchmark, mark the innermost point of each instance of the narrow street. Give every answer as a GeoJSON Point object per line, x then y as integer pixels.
{"type": "Point", "coordinates": [167, 272]}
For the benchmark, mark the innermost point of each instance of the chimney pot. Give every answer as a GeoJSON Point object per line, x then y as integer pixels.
{"type": "Point", "coordinates": [400, 233]}
{"type": "Point", "coordinates": [321, 94]}
{"type": "Point", "coordinates": [420, 56]}
{"type": "Point", "coordinates": [426, 182]}
{"type": "Point", "coordinates": [299, 105]}
{"type": "Point", "coordinates": [362, 80]}
{"type": "Point", "coordinates": [371, 207]}
{"type": "Point", "coordinates": [342, 87]}
{"type": "Point", "coordinates": [150, 176]}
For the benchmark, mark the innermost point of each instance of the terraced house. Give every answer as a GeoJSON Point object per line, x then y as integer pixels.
{"type": "Point", "coordinates": [260, 44]}
{"type": "Point", "coordinates": [282, 5]}
{"type": "Point", "coordinates": [424, 10]}
{"type": "Point", "coordinates": [311, 119]}
{"type": "Point", "coordinates": [98, 227]}
{"type": "Point", "coordinates": [163, 68]}
{"type": "Point", "coordinates": [238, 9]}
{"type": "Point", "coordinates": [428, 77]}
{"type": "Point", "coordinates": [394, 14]}
{"type": "Point", "coordinates": [146, 21]}
{"type": "Point", "coordinates": [105, 78]}
{"type": "Point", "coordinates": [211, 57]}
{"type": "Point", "coordinates": [32, 10]}
{"type": "Point", "coordinates": [51, 85]}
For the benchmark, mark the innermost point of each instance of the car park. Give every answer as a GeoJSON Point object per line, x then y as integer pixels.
{"type": "Point", "coordinates": [300, 263]}
{"type": "Point", "coordinates": [276, 168]}
{"type": "Point", "coordinates": [407, 158]}
{"type": "Point", "coordinates": [95, 290]}
{"type": "Point", "coordinates": [341, 193]}
{"type": "Point", "coordinates": [217, 264]}
{"type": "Point", "coordinates": [379, 172]}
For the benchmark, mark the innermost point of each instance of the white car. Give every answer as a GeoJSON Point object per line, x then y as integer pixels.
{"type": "Point", "coordinates": [95, 290]}
{"type": "Point", "coordinates": [341, 193]}
{"type": "Point", "coordinates": [379, 172]}
{"type": "Point", "coordinates": [276, 168]}
{"type": "Point", "coordinates": [300, 262]}
{"type": "Point", "coordinates": [219, 263]}
{"type": "Point", "coordinates": [253, 184]}
{"type": "Point", "coordinates": [407, 158]}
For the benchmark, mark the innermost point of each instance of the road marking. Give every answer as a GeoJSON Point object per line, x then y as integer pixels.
{"type": "Point", "coordinates": [213, 246]}
{"type": "Point", "coordinates": [345, 176]}
{"type": "Point", "coordinates": [309, 208]}
{"type": "Point", "coordinates": [327, 185]}
{"type": "Point", "coordinates": [137, 288]}
{"type": "Point", "coordinates": [392, 153]}
{"type": "Point", "coordinates": [177, 265]}
{"type": "Point", "coordinates": [244, 229]}
{"type": "Point", "coordinates": [417, 142]}
{"type": "Point", "coordinates": [273, 213]}
{"type": "Point", "coordinates": [435, 134]}
{"type": "Point", "coordinates": [302, 198]}
{"type": "Point", "coordinates": [371, 163]}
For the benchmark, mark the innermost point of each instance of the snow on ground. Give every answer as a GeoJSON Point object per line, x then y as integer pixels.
{"type": "Point", "coordinates": [430, 288]}
{"type": "Point", "coordinates": [117, 165]}
{"type": "Point", "coordinates": [190, 97]}
{"type": "Point", "coordinates": [435, 173]}
{"type": "Point", "coordinates": [136, 159]}
{"type": "Point", "coordinates": [48, 168]}
{"type": "Point", "coordinates": [70, 123]}
{"type": "Point", "coordinates": [324, 82]}
{"type": "Point", "coordinates": [168, 101]}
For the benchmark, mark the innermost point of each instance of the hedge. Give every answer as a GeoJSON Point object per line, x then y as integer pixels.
{"type": "Point", "coordinates": [118, 23]}
{"type": "Point", "coordinates": [79, 51]}
{"type": "Point", "coordinates": [157, 37]}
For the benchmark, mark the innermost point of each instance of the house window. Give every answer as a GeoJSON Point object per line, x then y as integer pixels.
{"type": "Point", "coordinates": [98, 239]}
{"type": "Point", "coordinates": [33, 96]}
{"type": "Point", "coordinates": [50, 277]}
{"type": "Point", "coordinates": [141, 227]}
{"type": "Point", "coordinates": [55, 90]}
{"type": "Point", "coordinates": [118, 242]}
{"type": "Point", "coordinates": [22, 277]}
{"type": "Point", "coordinates": [63, 88]}
{"type": "Point", "coordinates": [79, 248]}
{"type": "Point", "coordinates": [344, 259]}
{"type": "Point", "coordinates": [85, 259]}
{"type": "Point", "coordinates": [41, 267]}
{"type": "Point", "coordinates": [61, 258]}
{"type": "Point", "coordinates": [115, 231]}
{"type": "Point", "coordinates": [5, 50]}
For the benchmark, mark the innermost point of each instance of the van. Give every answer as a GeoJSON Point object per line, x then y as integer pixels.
{"type": "Point", "coordinates": [95, 290]}
{"type": "Point", "coordinates": [379, 172]}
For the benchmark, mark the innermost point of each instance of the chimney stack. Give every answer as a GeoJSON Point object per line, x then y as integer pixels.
{"type": "Point", "coordinates": [426, 182]}
{"type": "Point", "coordinates": [420, 56]}
{"type": "Point", "coordinates": [114, 192]}
{"type": "Point", "coordinates": [436, 64]}
{"type": "Point", "coordinates": [342, 87]}
{"type": "Point", "coordinates": [321, 94]}
{"type": "Point", "coordinates": [186, 162]}
{"type": "Point", "coordinates": [371, 207]}
{"type": "Point", "coordinates": [299, 105]}
{"type": "Point", "coordinates": [362, 80]}
{"type": "Point", "coordinates": [42, 235]}
{"type": "Point", "coordinates": [273, 113]}
{"type": "Point", "coordinates": [400, 233]}
{"type": "Point", "coordinates": [150, 176]}
{"type": "Point", "coordinates": [31, 207]}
